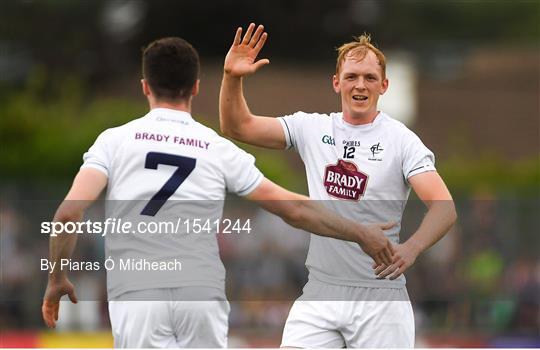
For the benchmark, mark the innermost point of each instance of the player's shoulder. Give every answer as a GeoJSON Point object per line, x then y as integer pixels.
{"type": "Point", "coordinates": [396, 127]}
{"type": "Point", "coordinates": [207, 132]}
{"type": "Point", "coordinates": [308, 115]}
{"type": "Point", "coordinates": [308, 118]}
{"type": "Point", "coordinates": [218, 142]}
{"type": "Point", "coordinates": [117, 132]}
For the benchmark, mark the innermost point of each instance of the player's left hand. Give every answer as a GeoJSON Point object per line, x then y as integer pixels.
{"type": "Point", "coordinates": [56, 288]}
{"type": "Point", "coordinates": [404, 256]}
{"type": "Point", "coordinates": [240, 59]}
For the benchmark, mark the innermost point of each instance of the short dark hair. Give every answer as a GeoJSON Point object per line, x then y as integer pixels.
{"type": "Point", "coordinates": [171, 68]}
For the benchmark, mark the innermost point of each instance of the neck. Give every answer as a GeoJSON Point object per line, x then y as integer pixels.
{"type": "Point", "coordinates": [360, 119]}
{"type": "Point", "coordinates": [179, 106]}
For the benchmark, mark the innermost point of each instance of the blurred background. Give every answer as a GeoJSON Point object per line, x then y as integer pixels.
{"type": "Point", "coordinates": [464, 75]}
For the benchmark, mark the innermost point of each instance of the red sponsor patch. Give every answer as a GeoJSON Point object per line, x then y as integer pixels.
{"type": "Point", "coordinates": [343, 180]}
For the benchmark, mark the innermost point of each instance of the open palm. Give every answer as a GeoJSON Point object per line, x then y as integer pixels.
{"type": "Point", "coordinates": [240, 59]}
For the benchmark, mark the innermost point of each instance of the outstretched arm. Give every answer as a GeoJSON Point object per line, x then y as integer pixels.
{"type": "Point", "coordinates": [86, 188]}
{"type": "Point", "coordinates": [440, 217]}
{"type": "Point", "coordinates": [301, 212]}
{"type": "Point", "coordinates": [236, 120]}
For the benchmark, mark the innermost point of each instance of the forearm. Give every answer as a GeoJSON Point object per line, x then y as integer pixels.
{"type": "Point", "coordinates": [233, 109]}
{"type": "Point", "coordinates": [440, 217]}
{"type": "Point", "coordinates": [312, 216]}
{"type": "Point", "coordinates": [62, 245]}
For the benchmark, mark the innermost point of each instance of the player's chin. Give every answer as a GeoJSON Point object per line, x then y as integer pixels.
{"type": "Point", "coordinates": [360, 108]}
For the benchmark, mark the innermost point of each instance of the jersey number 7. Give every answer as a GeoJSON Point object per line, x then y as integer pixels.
{"type": "Point", "coordinates": [185, 167]}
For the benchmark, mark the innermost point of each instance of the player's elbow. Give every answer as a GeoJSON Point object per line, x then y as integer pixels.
{"type": "Point", "coordinates": [228, 130]}
{"type": "Point", "coordinates": [225, 127]}
{"type": "Point", "coordinates": [450, 213]}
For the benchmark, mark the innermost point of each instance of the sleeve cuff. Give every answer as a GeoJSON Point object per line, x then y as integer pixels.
{"type": "Point", "coordinates": [252, 186]}
{"type": "Point", "coordinates": [96, 166]}
{"type": "Point", "coordinates": [286, 132]}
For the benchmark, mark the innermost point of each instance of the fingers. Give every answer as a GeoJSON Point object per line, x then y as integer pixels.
{"type": "Point", "coordinates": [388, 225]}
{"type": "Point", "coordinates": [380, 268]}
{"type": "Point", "coordinates": [73, 297]}
{"type": "Point", "coordinates": [254, 40]}
{"type": "Point", "coordinates": [237, 36]}
{"type": "Point", "coordinates": [247, 36]}
{"type": "Point", "coordinates": [387, 256]}
{"type": "Point", "coordinates": [260, 63]}
{"type": "Point", "coordinates": [377, 261]}
{"type": "Point", "coordinates": [383, 272]}
{"type": "Point", "coordinates": [49, 311]}
{"type": "Point", "coordinates": [261, 42]}
{"type": "Point", "coordinates": [394, 270]}
{"type": "Point", "coordinates": [398, 272]}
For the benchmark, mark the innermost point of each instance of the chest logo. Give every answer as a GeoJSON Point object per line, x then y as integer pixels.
{"type": "Point", "coordinates": [376, 149]}
{"type": "Point", "coordinates": [344, 181]}
{"type": "Point", "coordinates": [329, 140]}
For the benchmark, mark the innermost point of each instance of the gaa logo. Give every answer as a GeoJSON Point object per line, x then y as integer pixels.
{"type": "Point", "coordinates": [344, 181]}
{"type": "Point", "coordinates": [329, 140]}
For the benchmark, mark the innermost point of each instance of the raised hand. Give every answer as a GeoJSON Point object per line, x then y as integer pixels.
{"type": "Point", "coordinates": [240, 59]}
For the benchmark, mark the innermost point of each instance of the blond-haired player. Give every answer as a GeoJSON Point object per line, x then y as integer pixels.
{"type": "Point", "coordinates": [363, 164]}
{"type": "Point", "coordinates": [166, 165]}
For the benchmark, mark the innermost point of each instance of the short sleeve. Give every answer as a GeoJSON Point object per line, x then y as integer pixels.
{"type": "Point", "coordinates": [293, 125]}
{"type": "Point", "coordinates": [99, 155]}
{"type": "Point", "coordinates": [241, 174]}
{"type": "Point", "coordinates": [417, 158]}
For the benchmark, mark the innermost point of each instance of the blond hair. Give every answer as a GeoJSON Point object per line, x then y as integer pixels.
{"type": "Point", "coordinates": [359, 49]}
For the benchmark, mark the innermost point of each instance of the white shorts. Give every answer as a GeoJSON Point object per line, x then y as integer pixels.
{"type": "Point", "coordinates": [169, 321]}
{"type": "Point", "coordinates": [359, 319]}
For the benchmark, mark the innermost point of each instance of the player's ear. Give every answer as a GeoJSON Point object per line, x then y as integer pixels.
{"type": "Point", "coordinates": [145, 87]}
{"type": "Point", "coordinates": [335, 84]}
{"type": "Point", "coordinates": [195, 89]}
{"type": "Point", "coordinates": [384, 86]}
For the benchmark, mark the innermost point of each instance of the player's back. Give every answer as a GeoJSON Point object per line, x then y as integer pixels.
{"type": "Point", "coordinates": [167, 168]}
{"type": "Point", "coordinates": [164, 145]}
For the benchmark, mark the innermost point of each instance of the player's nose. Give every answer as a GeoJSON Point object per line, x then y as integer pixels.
{"type": "Point", "coordinates": [360, 84]}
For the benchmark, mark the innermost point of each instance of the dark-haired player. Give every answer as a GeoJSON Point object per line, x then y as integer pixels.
{"type": "Point", "coordinates": [168, 158]}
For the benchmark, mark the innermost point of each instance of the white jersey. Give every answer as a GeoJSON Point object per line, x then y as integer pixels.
{"type": "Point", "coordinates": [162, 167]}
{"type": "Point", "coordinates": [361, 171]}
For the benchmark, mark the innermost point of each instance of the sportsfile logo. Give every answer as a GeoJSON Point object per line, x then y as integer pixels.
{"type": "Point", "coordinates": [344, 181]}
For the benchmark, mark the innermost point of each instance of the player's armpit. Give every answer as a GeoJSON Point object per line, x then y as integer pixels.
{"type": "Point", "coordinates": [261, 131]}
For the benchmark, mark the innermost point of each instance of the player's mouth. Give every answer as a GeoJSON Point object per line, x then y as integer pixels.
{"type": "Point", "coordinates": [360, 98]}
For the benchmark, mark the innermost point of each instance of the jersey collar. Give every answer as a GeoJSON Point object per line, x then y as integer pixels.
{"type": "Point", "coordinates": [167, 113]}
{"type": "Point", "coordinates": [378, 119]}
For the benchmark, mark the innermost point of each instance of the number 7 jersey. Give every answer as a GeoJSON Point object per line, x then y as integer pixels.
{"type": "Point", "coordinates": [219, 166]}
{"type": "Point", "coordinates": [361, 172]}
{"type": "Point", "coordinates": [166, 167]}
